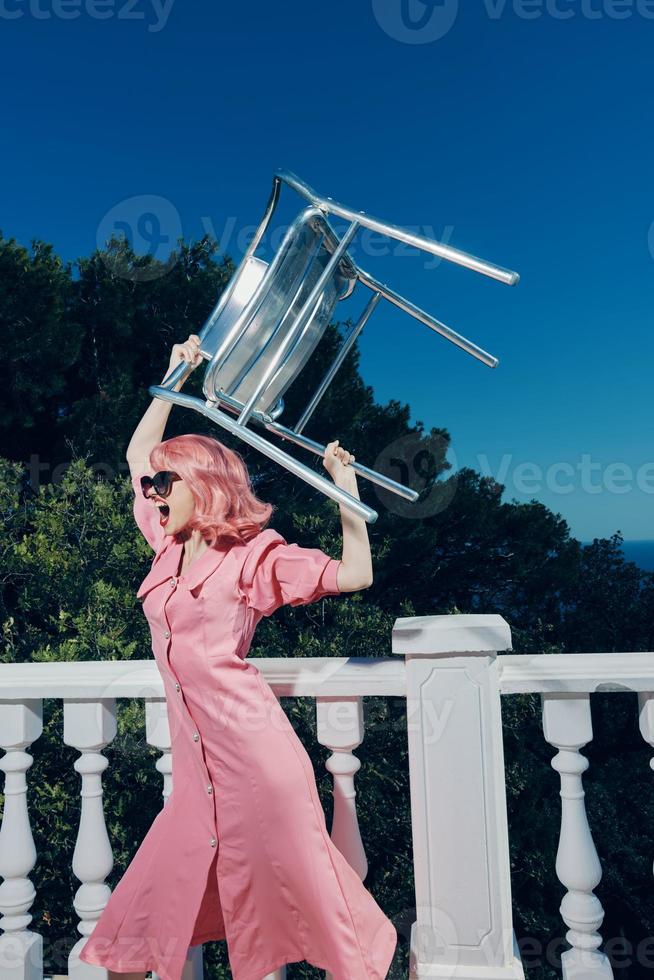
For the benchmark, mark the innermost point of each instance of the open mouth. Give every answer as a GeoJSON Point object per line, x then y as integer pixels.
{"type": "Point", "coordinates": [164, 512]}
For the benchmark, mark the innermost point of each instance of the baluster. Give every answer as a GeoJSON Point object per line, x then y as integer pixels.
{"type": "Point", "coordinates": [279, 974]}
{"type": "Point", "coordinates": [157, 733]}
{"type": "Point", "coordinates": [21, 950]}
{"type": "Point", "coordinates": [340, 727]}
{"type": "Point", "coordinates": [646, 718]}
{"type": "Point", "coordinates": [89, 726]}
{"type": "Point", "coordinates": [567, 726]}
{"type": "Point", "coordinates": [276, 974]}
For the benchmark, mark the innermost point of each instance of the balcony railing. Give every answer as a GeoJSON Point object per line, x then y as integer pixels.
{"type": "Point", "coordinates": [452, 672]}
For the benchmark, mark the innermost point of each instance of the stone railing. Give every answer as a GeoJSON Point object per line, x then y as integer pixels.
{"type": "Point", "coordinates": [453, 673]}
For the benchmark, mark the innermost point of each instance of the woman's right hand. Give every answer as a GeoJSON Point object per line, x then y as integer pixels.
{"type": "Point", "coordinates": [189, 351]}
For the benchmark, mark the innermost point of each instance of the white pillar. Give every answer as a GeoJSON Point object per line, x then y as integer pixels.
{"type": "Point", "coordinates": [464, 923]}
{"type": "Point", "coordinates": [340, 727]}
{"type": "Point", "coordinates": [89, 726]}
{"type": "Point", "coordinates": [567, 725]}
{"type": "Point", "coordinates": [21, 950]}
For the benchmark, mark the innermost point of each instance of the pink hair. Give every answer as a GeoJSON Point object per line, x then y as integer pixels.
{"type": "Point", "coordinates": [225, 505]}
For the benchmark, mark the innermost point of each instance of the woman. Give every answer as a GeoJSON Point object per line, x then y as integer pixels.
{"type": "Point", "coordinates": [240, 851]}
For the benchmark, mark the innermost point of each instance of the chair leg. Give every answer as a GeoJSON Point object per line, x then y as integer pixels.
{"type": "Point", "coordinates": [328, 487]}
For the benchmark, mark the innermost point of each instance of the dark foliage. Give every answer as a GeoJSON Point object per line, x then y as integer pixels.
{"type": "Point", "coordinates": [80, 346]}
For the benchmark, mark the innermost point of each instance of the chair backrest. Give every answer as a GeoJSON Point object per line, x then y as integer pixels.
{"type": "Point", "coordinates": [270, 317]}
{"type": "Point", "coordinates": [264, 302]}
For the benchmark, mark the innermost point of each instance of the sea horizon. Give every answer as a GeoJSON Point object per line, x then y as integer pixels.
{"type": "Point", "coordinates": [638, 550]}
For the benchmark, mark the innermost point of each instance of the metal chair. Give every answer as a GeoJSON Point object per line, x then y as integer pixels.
{"type": "Point", "coordinates": [271, 316]}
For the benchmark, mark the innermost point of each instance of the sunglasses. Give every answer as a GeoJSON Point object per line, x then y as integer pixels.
{"type": "Point", "coordinates": [162, 483]}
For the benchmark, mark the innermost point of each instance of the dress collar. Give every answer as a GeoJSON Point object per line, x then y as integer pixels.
{"type": "Point", "coordinates": [166, 564]}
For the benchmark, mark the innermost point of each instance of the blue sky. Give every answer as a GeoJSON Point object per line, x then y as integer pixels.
{"type": "Point", "coordinates": [519, 131]}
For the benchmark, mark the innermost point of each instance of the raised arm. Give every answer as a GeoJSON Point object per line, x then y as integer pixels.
{"type": "Point", "coordinates": [355, 569]}
{"type": "Point", "coordinates": [151, 428]}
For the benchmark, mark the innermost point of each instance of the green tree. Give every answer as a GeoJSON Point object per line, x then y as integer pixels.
{"type": "Point", "coordinates": [81, 346]}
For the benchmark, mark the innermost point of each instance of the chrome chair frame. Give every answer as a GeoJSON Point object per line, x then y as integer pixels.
{"type": "Point", "coordinates": [237, 308]}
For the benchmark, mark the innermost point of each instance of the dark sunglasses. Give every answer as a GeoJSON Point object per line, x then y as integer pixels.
{"type": "Point", "coordinates": [162, 483]}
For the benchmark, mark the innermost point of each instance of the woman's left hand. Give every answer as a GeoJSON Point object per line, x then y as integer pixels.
{"type": "Point", "coordinates": [336, 461]}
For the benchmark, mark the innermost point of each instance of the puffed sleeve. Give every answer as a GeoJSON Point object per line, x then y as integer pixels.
{"type": "Point", "coordinates": [146, 516]}
{"type": "Point", "coordinates": [276, 573]}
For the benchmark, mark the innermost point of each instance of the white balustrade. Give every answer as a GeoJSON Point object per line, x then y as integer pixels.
{"type": "Point", "coordinates": [567, 726]}
{"type": "Point", "coordinates": [340, 728]}
{"type": "Point", "coordinates": [89, 726]}
{"type": "Point", "coordinates": [157, 733]}
{"type": "Point", "coordinates": [453, 674]}
{"type": "Point", "coordinates": [21, 949]}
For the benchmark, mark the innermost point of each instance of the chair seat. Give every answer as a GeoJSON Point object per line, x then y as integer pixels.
{"type": "Point", "coordinates": [270, 318]}
{"type": "Point", "coordinates": [263, 306]}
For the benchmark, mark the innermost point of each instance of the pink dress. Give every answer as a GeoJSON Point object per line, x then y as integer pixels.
{"type": "Point", "coordinates": [240, 851]}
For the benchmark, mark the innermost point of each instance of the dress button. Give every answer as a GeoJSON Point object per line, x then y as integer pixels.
{"type": "Point", "coordinates": [172, 582]}
{"type": "Point", "coordinates": [196, 737]}
{"type": "Point", "coordinates": [209, 789]}
{"type": "Point", "coordinates": [177, 687]}
{"type": "Point", "coordinates": [166, 633]}
{"type": "Point", "coordinates": [213, 841]}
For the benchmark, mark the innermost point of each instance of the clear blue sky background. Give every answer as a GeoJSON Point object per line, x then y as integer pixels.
{"type": "Point", "coordinates": [517, 133]}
